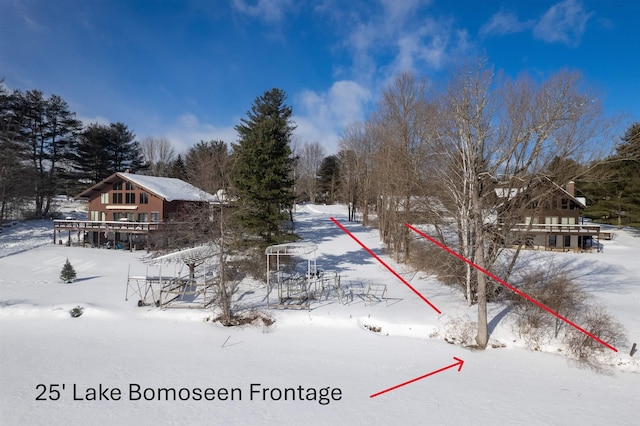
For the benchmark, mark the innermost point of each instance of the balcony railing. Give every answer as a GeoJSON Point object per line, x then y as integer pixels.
{"type": "Point", "coordinates": [556, 227]}
{"type": "Point", "coordinates": [113, 225]}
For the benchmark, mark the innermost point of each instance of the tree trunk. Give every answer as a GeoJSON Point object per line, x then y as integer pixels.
{"type": "Point", "coordinates": [482, 338]}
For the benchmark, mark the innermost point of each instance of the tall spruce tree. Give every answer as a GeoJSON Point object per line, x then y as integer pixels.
{"type": "Point", "coordinates": [263, 165]}
{"type": "Point", "coordinates": [329, 179]}
{"type": "Point", "coordinates": [178, 169]}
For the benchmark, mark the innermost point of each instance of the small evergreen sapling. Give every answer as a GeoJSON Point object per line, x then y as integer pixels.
{"type": "Point", "coordinates": [76, 312]}
{"type": "Point", "coordinates": [68, 274]}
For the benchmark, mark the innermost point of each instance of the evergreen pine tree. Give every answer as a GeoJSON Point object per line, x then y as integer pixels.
{"type": "Point", "coordinates": [178, 169]}
{"type": "Point", "coordinates": [262, 171]}
{"type": "Point", "coordinates": [102, 150]}
{"type": "Point", "coordinates": [614, 189]}
{"type": "Point", "coordinates": [329, 178]}
{"type": "Point", "coordinates": [68, 274]}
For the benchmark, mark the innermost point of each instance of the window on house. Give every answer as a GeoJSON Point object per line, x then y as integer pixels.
{"type": "Point", "coordinates": [567, 240]}
{"type": "Point", "coordinates": [144, 198]}
{"type": "Point", "coordinates": [117, 186]}
{"type": "Point", "coordinates": [94, 215]}
{"type": "Point", "coordinates": [104, 198]}
{"type": "Point", "coordinates": [117, 215]}
{"type": "Point", "coordinates": [143, 217]}
{"type": "Point", "coordinates": [131, 217]}
{"type": "Point", "coordinates": [565, 204]}
{"type": "Point", "coordinates": [552, 240]}
{"type": "Point", "coordinates": [130, 187]}
{"type": "Point", "coordinates": [130, 197]}
{"type": "Point", "coordinates": [117, 197]}
{"type": "Point", "coordinates": [155, 216]}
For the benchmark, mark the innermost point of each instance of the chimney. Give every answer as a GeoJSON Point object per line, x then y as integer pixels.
{"type": "Point", "coordinates": [571, 188]}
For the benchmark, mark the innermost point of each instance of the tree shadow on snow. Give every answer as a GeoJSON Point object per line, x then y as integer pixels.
{"type": "Point", "coordinates": [491, 326]}
{"type": "Point", "coordinates": [595, 276]}
{"type": "Point", "coordinates": [328, 230]}
{"type": "Point", "coordinates": [87, 278]}
{"type": "Point", "coordinates": [11, 302]}
{"type": "Point", "coordinates": [345, 262]}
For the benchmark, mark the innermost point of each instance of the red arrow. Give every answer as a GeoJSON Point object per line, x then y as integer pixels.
{"type": "Point", "coordinates": [458, 363]}
{"type": "Point", "coordinates": [510, 287]}
{"type": "Point", "coordinates": [386, 266]}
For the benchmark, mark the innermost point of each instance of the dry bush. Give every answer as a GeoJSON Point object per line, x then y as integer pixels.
{"type": "Point", "coordinates": [565, 297]}
{"type": "Point", "coordinates": [554, 290]}
{"type": "Point", "coordinates": [600, 323]}
{"type": "Point", "coordinates": [254, 263]}
{"type": "Point", "coordinates": [252, 317]}
{"type": "Point", "coordinates": [460, 330]}
{"type": "Point", "coordinates": [429, 257]}
{"type": "Point", "coordinates": [534, 326]}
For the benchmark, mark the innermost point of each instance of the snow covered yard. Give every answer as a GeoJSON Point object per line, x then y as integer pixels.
{"type": "Point", "coordinates": [329, 356]}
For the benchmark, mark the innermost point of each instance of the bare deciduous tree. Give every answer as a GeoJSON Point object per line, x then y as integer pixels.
{"type": "Point", "coordinates": [508, 133]}
{"type": "Point", "coordinates": [358, 148]}
{"type": "Point", "coordinates": [439, 160]}
{"type": "Point", "coordinates": [158, 154]}
{"type": "Point", "coordinates": [309, 156]}
{"type": "Point", "coordinates": [403, 128]}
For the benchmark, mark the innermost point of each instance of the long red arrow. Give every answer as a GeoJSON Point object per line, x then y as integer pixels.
{"type": "Point", "coordinates": [386, 266]}
{"type": "Point", "coordinates": [458, 363]}
{"type": "Point", "coordinates": [510, 287]}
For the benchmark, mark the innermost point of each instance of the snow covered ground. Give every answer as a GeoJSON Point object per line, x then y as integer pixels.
{"type": "Point", "coordinates": [54, 369]}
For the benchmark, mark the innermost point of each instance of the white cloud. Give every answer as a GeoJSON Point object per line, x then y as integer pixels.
{"type": "Point", "coordinates": [92, 120]}
{"type": "Point", "coordinates": [403, 31]}
{"type": "Point", "coordinates": [504, 22]}
{"type": "Point", "coordinates": [187, 130]}
{"type": "Point", "coordinates": [324, 115]}
{"type": "Point", "coordinates": [564, 22]}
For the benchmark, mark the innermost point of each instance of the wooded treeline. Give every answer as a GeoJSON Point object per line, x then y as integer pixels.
{"type": "Point", "coordinates": [45, 151]}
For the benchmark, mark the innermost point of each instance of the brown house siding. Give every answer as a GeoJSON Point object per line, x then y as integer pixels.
{"type": "Point", "coordinates": [125, 212]}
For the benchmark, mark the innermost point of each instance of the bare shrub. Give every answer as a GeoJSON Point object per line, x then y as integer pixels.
{"type": "Point", "coordinates": [556, 291]}
{"type": "Point", "coordinates": [252, 317]}
{"type": "Point", "coordinates": [433, 259]}
{"type": "Point", "coordinates": [460, 330]}
{"type": "Point", "coordinates": [254, 263]}
{"type": "Point", "coordinates": [564, 296]}
{"type": "Point", "coordinates": [600, 323]}
{"type": "Point", "coordinates": [534, 326]}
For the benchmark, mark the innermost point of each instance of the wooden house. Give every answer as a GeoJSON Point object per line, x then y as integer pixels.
{"type": "Point", "coordinates": [125, 207]}
{"type": "Point", "coordinates": [547, 216]}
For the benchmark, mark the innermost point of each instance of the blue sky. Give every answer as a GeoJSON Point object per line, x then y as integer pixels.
{"type": "Point", "coordinates": [190, 70]}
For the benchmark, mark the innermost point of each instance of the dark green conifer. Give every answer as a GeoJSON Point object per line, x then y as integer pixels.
{"type": "Point", "coordinates": [262, 171]}
{"type": "Point", "coordinates": [68, 274]}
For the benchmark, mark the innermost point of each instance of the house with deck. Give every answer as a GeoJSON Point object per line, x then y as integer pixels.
{"type": "Point", "coordinates": [547, 216]}
{"type": "Point", "coordinates": [124, 208]}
